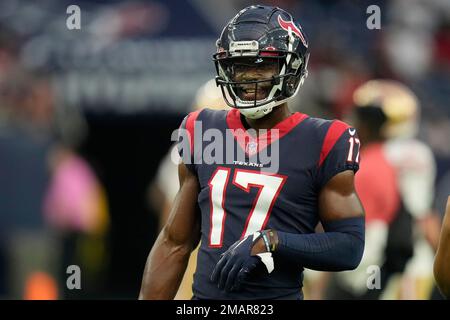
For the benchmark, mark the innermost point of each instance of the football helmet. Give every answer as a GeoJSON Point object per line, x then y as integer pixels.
{"type": "Point", "coordinates": [260, 35]}
{"type": "Point", "coordinates": [397, 102]}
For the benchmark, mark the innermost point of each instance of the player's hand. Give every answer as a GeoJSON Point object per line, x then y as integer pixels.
{"type": "Point", "coordinates": [237, 263]}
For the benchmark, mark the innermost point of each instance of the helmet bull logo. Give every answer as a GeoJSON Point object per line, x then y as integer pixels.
{"type": "Point", "coordinates": [289, 24]}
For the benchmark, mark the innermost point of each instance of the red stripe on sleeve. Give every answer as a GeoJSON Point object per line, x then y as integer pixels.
{"type": "Point", "coordinates": [190, 124]}
{"type": "Point", "coordinates": [334, 132]}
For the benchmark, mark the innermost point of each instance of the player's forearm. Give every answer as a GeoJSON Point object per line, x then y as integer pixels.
{"type": "Point", "coordinates": [329, 251]}
{"type": "Point", "coordinates": [339, 248]}
{"type": "Point", "coordinates": [430, 227]}
{"type": "Point", "coordinates": [442, 261]}
{"type": "Point", "coordinates": [442, 264]}
{"type": "Point", "coordinates": [164, 269]}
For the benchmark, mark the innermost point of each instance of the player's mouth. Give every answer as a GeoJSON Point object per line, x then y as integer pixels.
{"type": "Point", "coordinates": [248, 93]}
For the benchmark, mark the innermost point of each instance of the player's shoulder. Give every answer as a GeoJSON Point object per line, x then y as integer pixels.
{"type": "Point", "coordinates": [326, 128]}
{"type": "Point", "coordinates": [336, 145]}
{"type": "Point", "coordinates": [207, 114]}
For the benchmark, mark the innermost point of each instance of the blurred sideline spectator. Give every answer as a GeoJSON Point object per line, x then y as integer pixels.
{"type": "Point", "coordinates": [41, 201]}
{"type": "Point", "coordinates": [72, 198]}
{"type": "Point", "coordinates": [76, 208]}
{"type": "Point", "coordinates": [24, 145]}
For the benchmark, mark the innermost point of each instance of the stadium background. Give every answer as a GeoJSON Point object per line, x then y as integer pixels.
{"type": "Point", "coordinates": [86, 117]}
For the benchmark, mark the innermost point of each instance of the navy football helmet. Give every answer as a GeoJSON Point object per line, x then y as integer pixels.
{"type": "Point", "coordinates": [255, 36]}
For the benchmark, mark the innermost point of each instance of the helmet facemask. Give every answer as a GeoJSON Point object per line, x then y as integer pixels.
{"type": "Point", "coordinates": [245, 91]}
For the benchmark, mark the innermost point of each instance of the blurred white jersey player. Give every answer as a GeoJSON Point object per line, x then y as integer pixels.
{"type": "Point", "coordinates": [399, 218]}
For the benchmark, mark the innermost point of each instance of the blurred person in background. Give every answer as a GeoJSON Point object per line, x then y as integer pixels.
{"type": "Point", "coordinates": [48, 191]}
{"type": "Point", "coordinates": [25, 143]}
{"type": "Point", "coordinates": [8, 57]}
{"type": "Point", "coordinates": [396, 186]}
{"type": "Point", "coordinates": [75, 207]}
{"type": "Point", "coordinates": [164, 188]}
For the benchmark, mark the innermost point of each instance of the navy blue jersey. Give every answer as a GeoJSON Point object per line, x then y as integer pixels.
{"type": "Point", "coordinates": [237, 197]}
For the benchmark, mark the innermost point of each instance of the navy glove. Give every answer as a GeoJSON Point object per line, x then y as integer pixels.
{"type": "Point", "coordinates": [237, 262]}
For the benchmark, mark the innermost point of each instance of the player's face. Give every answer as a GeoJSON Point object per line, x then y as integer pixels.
{"type": "Point", "coordinates": [245, 71]}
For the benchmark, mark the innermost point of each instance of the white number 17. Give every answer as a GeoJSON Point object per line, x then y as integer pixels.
{"type": "Point", "coordinates": [353, 141]}
{"type": "Point", "coordinates": [269, 189]}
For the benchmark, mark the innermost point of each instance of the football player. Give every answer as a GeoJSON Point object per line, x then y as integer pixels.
{"type": "Point", "coordinates": [397, 165]}
{"type": "Point", "coordinates": [257, 228]}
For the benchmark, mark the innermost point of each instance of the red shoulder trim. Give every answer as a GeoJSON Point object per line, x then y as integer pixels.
{"type": "Point", "coordinates": [334, 132]}
{"type": "Point", "coordinates": [190, 124]}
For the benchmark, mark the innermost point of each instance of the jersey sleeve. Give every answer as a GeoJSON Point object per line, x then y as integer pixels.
{"type": "Point", "coordinates": [340, 152]}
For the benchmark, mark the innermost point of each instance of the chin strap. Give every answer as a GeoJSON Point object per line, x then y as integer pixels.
{"type": "Point", "coordinates": [261, 111]}
{"type": "Point", "coordinates": [267, 110]}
